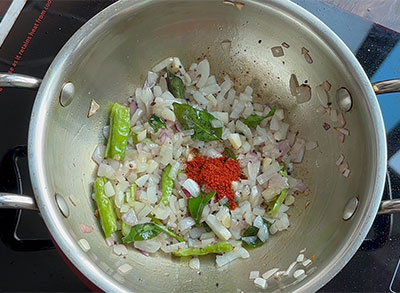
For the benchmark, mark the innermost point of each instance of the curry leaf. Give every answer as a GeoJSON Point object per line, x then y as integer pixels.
{"type": "Point", "coordinates": [175, 86]}
{"type": "Point", "coordinates": [253, 120]}
{"type": "Point", "coordinates": [229, 153]}
{"type": "Point", "coordinates": [156, 122]}
{"type": "Point", "coordinates": [165, 229]}
{"type": "Point", "coordinates": [250, 239]}
{"type": "Point", "coordinates": [142, 232]}
{"type": "Point", "coordinates": [196, 205]}
{"type": "Point", "coordinates": [199, 121]}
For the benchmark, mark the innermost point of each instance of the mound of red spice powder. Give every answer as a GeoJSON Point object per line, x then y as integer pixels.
{"type": "Point", "coordinates": [215, 174]}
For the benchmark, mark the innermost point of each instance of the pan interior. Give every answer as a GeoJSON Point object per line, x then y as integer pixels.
{"type": "Point", "coordinates": [111, 59]}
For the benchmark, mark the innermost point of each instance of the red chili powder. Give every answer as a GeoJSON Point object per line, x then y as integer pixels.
{"type": "Point", "coordinates": [215, 174]}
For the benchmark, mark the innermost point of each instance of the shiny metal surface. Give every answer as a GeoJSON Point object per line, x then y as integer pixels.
{"type": "Point", "coordinates": [344, 99]}
{"type": "Point", "coordinates": [387, 86]}
{"type": "Point", "coordinates": [108, 58]}
{"type": "Point", "coordinates": [62, 205]}
{"type": "Point", "coordinates": [389, 207]}
{"type": "Point", "coordinates": [350, 208]}
{"type": "Point", "coordinates": [19, 80]}
{"type": "Point", "coordinates": [16, 201]}
{"type": "Point", "coordinates": [67, 94]}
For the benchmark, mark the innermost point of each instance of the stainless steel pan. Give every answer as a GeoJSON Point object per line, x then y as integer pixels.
{"type": "Point", "coordinates": [106, 60]}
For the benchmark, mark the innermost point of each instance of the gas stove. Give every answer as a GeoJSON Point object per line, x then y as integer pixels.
{"type": "Point", "coordinates": [29, 261]}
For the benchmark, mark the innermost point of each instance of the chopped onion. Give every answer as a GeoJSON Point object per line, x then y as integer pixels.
{"type": "Point", "coordinates": [186, 223]}
{"type": "Point", "coordinates": [297, 151]}
{"type": "Point", "coordinates": [270, 171]}
{"type": "Point", "coordinates": [253, 170]}
{"type": "Point", "coordinates": [160, 66]}
{"type": "Point", "coordinates": [327, 86]}
{"type": "Point", "coordinates": [106, 130]}
{"type": "Point", "coordinates": [186, 193]}
{"type": "Point", "coordinates": [343, 131]}
{"type": "Point", "coordinates": [263, 233]}
{"type": "Point", "coordinates": [277, 51]}
{"type": "Point", "coordinates": [151, 80]}
{"type": "Point", "coordinates": [133, 107]}
{"type": "Point", "coordinates": [92, 108]}
{"type": "Point", "coordinates": [300, 186]}
{"type": "Point", "coordinates": [130, 218]}
{"type": "Point", "coordinates": [109, 189]}
{"type": "Point", "coordinates": [258, 222]}
{"type": "Point", "coordinates": [194, 263]}
{"type": "Point", "coordinates": [85, 228]}
{"type": "Point", "coordinates": [120, 249]}
{"type": "Point", "coordinates": [192, 187]}
{"type": "Point", "coordinates": [293, 84]}
{"type": "Point", "coordinates": [322, 95]}
{"type": "Point", "coordinates": [340, 160]}
{"type": "Point", "coordinates": [203, 68]}
{"type": "Point", "coordinates": [310, 145]}
{"type": "Point", "coordinates": [284, 147]}
{"type": "Point", "coordinates": [226, 46]}
{"type": "Point", "coordinates": [326, 126]}
{"type": "Point", "coordinates": [150, 246]}
{"type": "Point", "coordinates": [98, 154]}
{"type": "Point", "coordinates": [343, 167]}
{"type": "Point", "coordinates": [303, 93]}
{"type": "Point", "coordinates": [341, 120]}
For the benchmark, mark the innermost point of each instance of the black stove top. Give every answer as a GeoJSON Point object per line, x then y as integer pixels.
{"type": "Point", "coordinates": [30, 48]}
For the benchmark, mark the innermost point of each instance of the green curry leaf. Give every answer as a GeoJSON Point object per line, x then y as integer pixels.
{"type": "Point", "coordinates": [199, 121]}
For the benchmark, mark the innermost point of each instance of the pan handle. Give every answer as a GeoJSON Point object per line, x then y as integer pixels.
{"type": "Point", "coordinates": [19, 80]}
{"type": "Point", "coordinates": [17, 201]}
{"type": "Point", "coordinates": [386, 86]}
{"type": "Point", "coordinates": [389, 207]}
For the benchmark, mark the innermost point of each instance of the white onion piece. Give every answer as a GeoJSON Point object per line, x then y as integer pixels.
{"type": "Point", "coordinates": [293, 85]}
{"type": "Point", "coordinates": [150, 246]}
{"type": "Point", "coordinates": [218, 228]}
{"type": "Point", "coordinates": [203, 68]}
{"type": "Point", "coordinates": [300, 186]}
{"type": "Point", "coordinates": [85, 228]}
{"type": "Point", "coordinates": [130, 218]}
{"type": "Point", "coordinates": [297, 151]}
{"type": "Point", "coordinates": [310, 145]}
{"type": "Point", "coordinates": [322, 95]}
{"type": "Point", "coordinates": [186, 223]}
{"type": "Point", "coordinates": [160, 66]}
{"type": "Point", "coordinates": [194, 263]}
{"type": "Point", "coordinates": [106, 131]}
{"type": "Point", "coordinates": [303, 93]}
{"type": "Point", "coordinates": [270, 171]}
{"type": "Point", "coordinates": [142, 180]}
{"type": "Point", "coordinates": [120, 249]}
{"type": "Point", "coordinates": [98, 154]}
{"type": "Point", "coordinates": [151, 80]}
{"type": "Point", "coordinates": [109, 241]}
{"type": "Point", "coordinates": [243, 128]}
{"type": "Point", "coordinates": [284, 147]}
{"type": "Point", "coordinates": [253, 170]}
{"type": "Point", "coordinates": [258, 222]}
{"type": "Point", "coordinates": [192, 187]}
{"type": "Point", "coordinates": [340, 119]}
{"type": "Point", "coordinates": [93, 108]}
{"type": "Point", "coordinates": [237, 110]}
{"type": "Point", "coordinates": [343, 131]}
{"type": "Point", "coordinates": [275, 124]}
{"type": "Point", "coordinates": [340, 160]}
{"type": "Point", "coordinates": [262, 233]}
{"type": "Point", "coordinates": [174, 170]}
{"type": "Point", "coordinates": [109, 189]}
